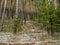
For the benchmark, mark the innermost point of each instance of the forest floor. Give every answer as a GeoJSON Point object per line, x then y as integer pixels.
{"type": "Point", "coordinates": [32, 34]}
{"type": "Point", "coordinates": [25, 39]}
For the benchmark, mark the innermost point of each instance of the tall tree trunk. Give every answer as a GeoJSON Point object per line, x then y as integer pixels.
{"type": "Point", "coordinates": [2, 20]}
{"type": "Point", "coordinates": [1, 8]}
{"type": "Point", "coordinates": [24, 12]}
{"type": "Point", "coordinates": [22, 3]}
{"type": "Point", "coordinates": [16, 18]}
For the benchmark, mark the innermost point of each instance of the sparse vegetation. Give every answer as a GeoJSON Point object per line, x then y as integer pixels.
{"type": "Point", "coordinates": [31, 17]}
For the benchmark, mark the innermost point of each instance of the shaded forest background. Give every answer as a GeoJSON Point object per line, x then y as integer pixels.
{"type": "Point", "coordinates": [16, 13]}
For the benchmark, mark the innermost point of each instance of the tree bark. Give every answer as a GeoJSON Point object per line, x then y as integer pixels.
{"type": "Point", "coordinates": [16, 18]}
{"type": "Point", "coordinates": [1, 8]}
{"type": "Point", "coordinates": [2, 20]}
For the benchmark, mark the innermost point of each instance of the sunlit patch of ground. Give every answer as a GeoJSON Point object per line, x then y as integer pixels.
{"type": "Point", "coordinates": [33, 44]}
{"type": "Point", "coordinates": [25, 39]}
{"type": "Point", "coordinates": [15, 44]}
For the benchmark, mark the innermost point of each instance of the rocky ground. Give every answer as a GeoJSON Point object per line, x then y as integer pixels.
{"type": "Point", "coordinates": [25, 39]}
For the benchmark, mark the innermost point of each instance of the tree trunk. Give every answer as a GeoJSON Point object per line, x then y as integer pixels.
{"type": "Point", "coordinates": [16, 18]}
{"type": "Point", "coordinates": [1, 8]}
{"type": "Point", "coordinates": [2, 20]}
